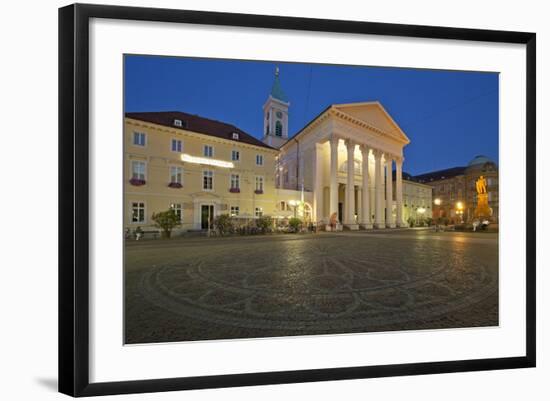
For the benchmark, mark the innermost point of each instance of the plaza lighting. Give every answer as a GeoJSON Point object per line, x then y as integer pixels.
{"type": "Point", "coordinates": [437, 201]}
{"type": "Point", "coordinates": [460, 210]}
{"type": "Point", "coordinates": [294, 204]}
{"type": "Point", "coordinates": [421, 210]}
{"type": "Point", "coordinates": [207, 161]}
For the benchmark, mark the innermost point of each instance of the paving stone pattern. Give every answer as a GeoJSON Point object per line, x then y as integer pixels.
{"type": "Point", "coordinates": [329, 283]}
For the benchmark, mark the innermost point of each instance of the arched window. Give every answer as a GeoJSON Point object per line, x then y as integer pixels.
{"type": "Point", "coordinates": [357, 167]}
{"type": "Point", "coordinates": [278, 128]}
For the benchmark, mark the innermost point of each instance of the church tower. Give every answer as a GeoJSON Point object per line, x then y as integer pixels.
{"type": "Point", "coordinates": [276, 115]}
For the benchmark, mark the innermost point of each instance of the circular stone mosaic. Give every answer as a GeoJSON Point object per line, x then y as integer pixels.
{"type": "Point", "coordinates": [323, 284]}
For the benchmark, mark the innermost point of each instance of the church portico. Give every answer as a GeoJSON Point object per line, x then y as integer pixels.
{"type": "Point", "coordinates": [345, 156]}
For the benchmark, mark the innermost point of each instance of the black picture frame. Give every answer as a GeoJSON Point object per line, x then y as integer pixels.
{"type": "Point", "coordinates": [74, 201]}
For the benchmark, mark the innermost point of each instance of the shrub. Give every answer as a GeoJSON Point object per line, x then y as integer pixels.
{"type": "Point", "coordinates": [295, 224]}
{"type": "Point", "coordinates": [410, 220]}
{"type": "Point", "coordinates": [223, 223]}
{"type": "Point", "coordinates": [166, 221]}
{"type": "Point", "coordinates": [264, 223]}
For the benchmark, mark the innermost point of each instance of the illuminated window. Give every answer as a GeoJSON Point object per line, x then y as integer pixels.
{"type": "Point", "coordinates": [234, 211]}
{"type": "Point", "coordinates": [178, 210]}
{"type": "Point", "coordinates": [259, 212]}
{"type": "Point", "coordinates": [138, 212]}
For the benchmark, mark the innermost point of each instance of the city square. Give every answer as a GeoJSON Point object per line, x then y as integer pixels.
{"type": "Point", "coordinates": [306, 284]}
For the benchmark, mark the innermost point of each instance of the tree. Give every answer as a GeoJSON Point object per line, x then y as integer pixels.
{"type": "Point", "coordinates": [295, 224]}
{"type": "Point", "coordinates": [166, 221]}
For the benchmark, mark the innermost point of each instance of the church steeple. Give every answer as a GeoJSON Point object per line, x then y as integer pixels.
{"type": "Point", "coordinates": [276, 90]}
{"type": "Point", "coordinates": [276, 114]}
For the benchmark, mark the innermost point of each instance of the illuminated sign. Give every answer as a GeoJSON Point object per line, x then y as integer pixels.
{"type": "Point", "coordinates": [205, 160]}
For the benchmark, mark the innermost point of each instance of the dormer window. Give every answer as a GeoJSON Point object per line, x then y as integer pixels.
{"type": "Point", "coordinates": [179, 123]}
{"type": "Point", "coordinates": [235, 136]}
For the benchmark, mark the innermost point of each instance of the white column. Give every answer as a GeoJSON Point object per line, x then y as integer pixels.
{"type": "Point", "coordinates": [399, 190]}
{"type": "Point", "coordinates": [349, 221]}
{"type": "Point", "coordinates": [389, 192]}
{"type": "Point", "coordinates": [359, 204]}
{"type": "Point", "coordinates": [365, 199]}
{"type": "Point", "coordinates": [333, 176]}
{"type": "Point", "coordinates": [318, 183]}
{"type": "Point", "coordinates": [378, 190]}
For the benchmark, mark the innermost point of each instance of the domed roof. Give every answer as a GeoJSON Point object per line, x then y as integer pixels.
{"type": "Point", "coordinates": [479, 160]}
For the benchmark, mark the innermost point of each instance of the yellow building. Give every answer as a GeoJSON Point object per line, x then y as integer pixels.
{"type": "Point", "coordinates": [417, 200]}
{"type": "Point", "coordinates": [199, 167]}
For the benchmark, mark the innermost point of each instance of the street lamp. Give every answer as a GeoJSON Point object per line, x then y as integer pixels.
{"type": "Point", "coordinates": [294, 204]}
{"type": "Point", "coordinates": [460, 210]}
{"type": "Point", "coordinates": [437, 201]}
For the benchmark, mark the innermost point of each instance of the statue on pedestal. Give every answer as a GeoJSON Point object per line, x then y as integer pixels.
{"type": "Point", "coordinates": [482, 209]}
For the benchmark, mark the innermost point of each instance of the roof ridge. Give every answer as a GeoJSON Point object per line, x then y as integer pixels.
{"type": "Point", "coordinates": [189, 114]}
{"type": "Point", "coordinates": [197, 123]}
{"type": "Point", "coordinates": [437, 171]}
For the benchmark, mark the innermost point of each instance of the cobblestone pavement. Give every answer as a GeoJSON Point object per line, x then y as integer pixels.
{"type": "Point", "coordinates": [265, 286]}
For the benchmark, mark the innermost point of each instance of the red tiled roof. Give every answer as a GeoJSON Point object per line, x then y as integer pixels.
{"type": "Point", "coordinates": [195, 123]}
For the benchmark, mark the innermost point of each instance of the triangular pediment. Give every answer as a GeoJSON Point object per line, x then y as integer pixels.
{"type": "Point", "coordinates": [374, 115]}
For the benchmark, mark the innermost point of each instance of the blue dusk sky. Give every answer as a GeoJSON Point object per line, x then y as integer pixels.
{"type": "Point", "coordinates": [449, 116]}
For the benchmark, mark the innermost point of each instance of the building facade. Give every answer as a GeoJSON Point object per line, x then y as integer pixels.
{"type": "Point", "coordinates": [417, 200]}
{"type": "Point", "coordinates": [454, 190]}
{"type": "Point", "coordinates": [345, 157]}
{"type": "Point", "coordinates": [342, 165]}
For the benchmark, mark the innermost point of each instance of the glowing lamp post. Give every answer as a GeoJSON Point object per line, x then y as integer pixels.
{"type": "Point", "coordinates": [294, 204]}
{"type": "Point", "coordinates": [460, 210]}
{"type": "Point", "coordinates": [420, 211]}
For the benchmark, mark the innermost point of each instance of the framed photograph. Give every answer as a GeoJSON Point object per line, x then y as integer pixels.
{"type": "Point", "coordinates": [250, 199]}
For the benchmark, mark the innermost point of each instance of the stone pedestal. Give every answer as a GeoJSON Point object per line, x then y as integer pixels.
{"type": "Point", "coordinates": [351, 227]}
{"type": "Point", "coordinates": [482, 209]}
{"type": "Point", "coordinates": [333, 227]}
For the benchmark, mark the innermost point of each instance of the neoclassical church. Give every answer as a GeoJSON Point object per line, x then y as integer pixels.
{"type": "Point", "coordinates": [345, 156]}
{"type": "Point", "coordinates": [344, 168]}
